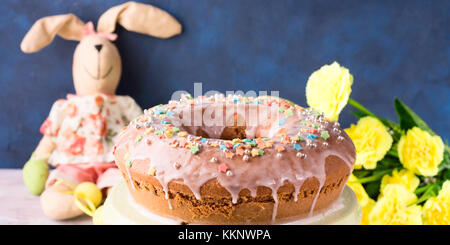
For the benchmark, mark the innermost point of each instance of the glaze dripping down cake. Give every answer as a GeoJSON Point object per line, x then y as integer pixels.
{"type": "Point", "coordinates": [234, 160]}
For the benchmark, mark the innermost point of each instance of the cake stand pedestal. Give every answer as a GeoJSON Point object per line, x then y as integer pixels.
{"type": "Point", "coordinates": [120, 209]}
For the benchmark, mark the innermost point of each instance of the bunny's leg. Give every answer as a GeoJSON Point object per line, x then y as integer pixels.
{"type": "Point", "coordinates": [57, 201]}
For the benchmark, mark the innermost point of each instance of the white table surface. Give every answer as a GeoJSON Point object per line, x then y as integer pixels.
{"type": "Point", "coordinates": [19, 207]}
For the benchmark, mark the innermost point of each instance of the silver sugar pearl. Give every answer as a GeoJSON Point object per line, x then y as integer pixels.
{"type": "Point", "coordinates": [245, 158]}
{"type": "Point", "coordinates": [176, 165]}
{"type": "Point", "coordinates": [313, 145]}
{"type": "Point", "coordinates": [336, 124]}
{"type": "Point", "coordinates": [325, 143]}
{"type": "Point", "coordinates": [340, 138]}
{"type": "Point", "coordinates": [229, 173]}
{"type": "Point", "coordinates": [337, 130]}
{"type": "Point", "coordinates": [279, 155]}
{"type": "Point", "coordinates": [301, 155]}
{"type": "Point", "coordinates": [247, 152]}
{"type": "Point", "coordinates": [214, 160]}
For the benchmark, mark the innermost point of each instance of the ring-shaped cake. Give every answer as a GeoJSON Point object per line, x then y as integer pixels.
{"type": "Point", "coordinates": [234, 160]}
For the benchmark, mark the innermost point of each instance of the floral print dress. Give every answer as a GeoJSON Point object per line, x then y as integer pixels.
{"type": "Point", "coordinates": [83, 128]}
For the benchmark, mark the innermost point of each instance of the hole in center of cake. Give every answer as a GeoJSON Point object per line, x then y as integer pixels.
{"type": "Point", "coordinates": [233, 127]}
{"type": "Point", "coordinates": [227, 122]}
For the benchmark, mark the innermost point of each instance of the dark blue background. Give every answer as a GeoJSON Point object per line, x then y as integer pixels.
{"type": "Point", "coordinates": [393, 48]}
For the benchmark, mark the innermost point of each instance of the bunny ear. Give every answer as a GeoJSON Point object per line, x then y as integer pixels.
{"type": "Point", "coordinates": [141, 18]}
{"type": "Point", "coordinates": [43, 31]}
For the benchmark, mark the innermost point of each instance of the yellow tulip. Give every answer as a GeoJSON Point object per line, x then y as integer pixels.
{"type": "Point", "coordinates": [403, 177]}
{"type": "Point", "coordinates": [421, 152]}
{"type": "Point", "coordinates": [364, 200]}
{"type": "Point", "coordinates": [366, 212]}
{"type": "Point", "coordinates": [328, 90]}
{"type": "Point", "coordinates": [436, 210]}
{"type": "Point", "coordinates": [372, 141]}
{"type": "Point", "coordinates": [395, 208]}
{"type": "Point", "coordinates": [359, 190]}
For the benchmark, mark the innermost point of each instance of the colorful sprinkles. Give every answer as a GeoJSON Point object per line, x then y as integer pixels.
{"type": "Point", "coordinates": [310, 123]}
{"type": "Point", "coordinates": [128, 163]}
{"type": "Point", "coordinates": [325, 135]}
{"type": "Point", "coordinates": [194, 149]}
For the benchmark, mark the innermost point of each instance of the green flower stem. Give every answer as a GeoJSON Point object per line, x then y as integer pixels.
{"type": "Point", "coordinates": [360, 107]}
{"type": "Point", "coordinates": [374, 177]}
{"type": "Point", "coordinates": [428, 193]}
{"type": "Point", "coordinates": [393, 153]}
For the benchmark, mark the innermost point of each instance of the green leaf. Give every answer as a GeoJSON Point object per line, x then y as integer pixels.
{"type": "Point", "coordinates": [446, 174]}
{"type": "Point", "coordinates": [421, 190]}
{"type": "Point", "coordinates": [445, 164]}
{"type": "Point", "coordinates": [408, 118]}
{"type": "Point", "coordinates": [373, 189]}
{"type": "Point", "coordinates": [388, 162]}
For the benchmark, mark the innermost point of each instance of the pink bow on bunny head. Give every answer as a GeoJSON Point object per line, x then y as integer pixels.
{"type": "Point", "coordinates": [89, 30]}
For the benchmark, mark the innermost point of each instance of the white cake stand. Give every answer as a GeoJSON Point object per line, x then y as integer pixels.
{"type": "Point", "coordinates": [120, 209]}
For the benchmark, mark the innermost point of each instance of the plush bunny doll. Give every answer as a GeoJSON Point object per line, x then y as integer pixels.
{"type": "Point", "coordinates": [80, 130]}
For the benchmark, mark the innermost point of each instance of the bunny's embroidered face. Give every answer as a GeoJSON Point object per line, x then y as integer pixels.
{"type": "Point", "coordinates": [96, 62]}
{"type": "Point", "coordinates": [96, 66]}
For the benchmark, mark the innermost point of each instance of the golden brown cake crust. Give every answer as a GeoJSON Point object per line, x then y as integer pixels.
{"type": "Point", "coordinates": [272, 174]}
{"type": "Point", "coordinates": [216, 207]}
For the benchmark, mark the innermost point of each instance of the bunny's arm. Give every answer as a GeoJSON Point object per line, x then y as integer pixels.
{"type": "Point", "coordinates": [50, 129]}
{"type": "Point", "coordinates": [35, 171]}
{"type": "Point", "coordinates": [44, 148]}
